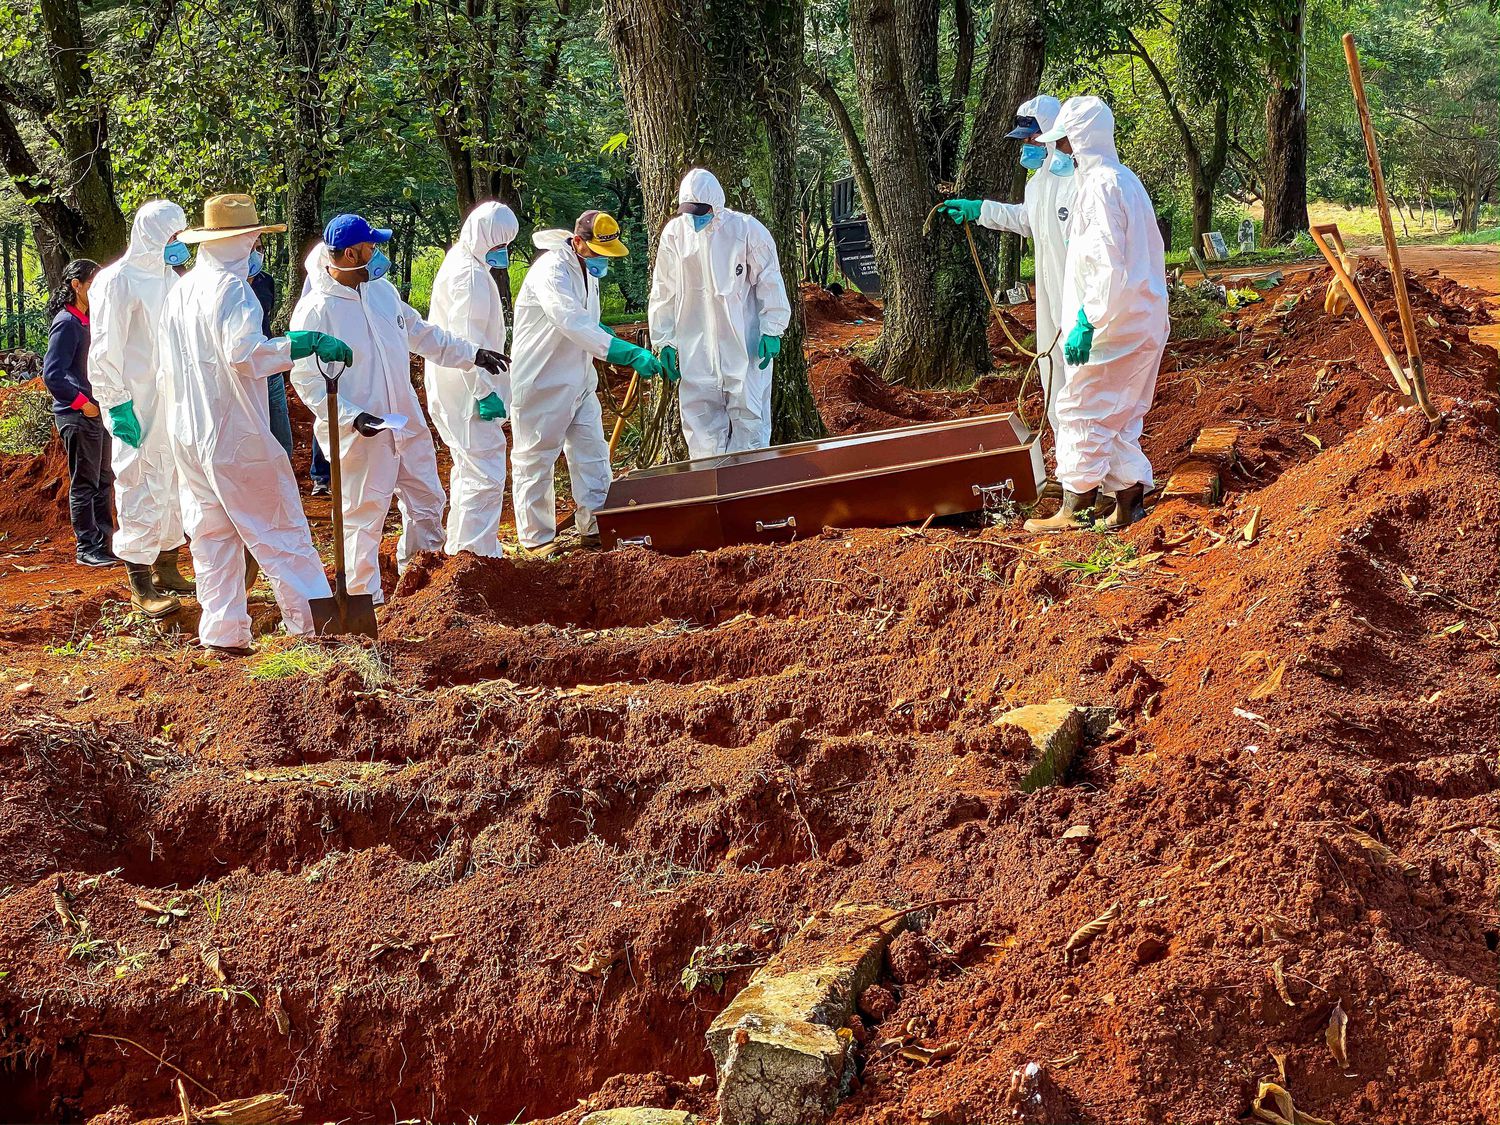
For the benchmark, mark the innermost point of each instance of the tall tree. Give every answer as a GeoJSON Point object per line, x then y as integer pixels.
{"type": "Point", "coordinates": [54, 122]}
{"type": "Point", "coordinates": [917, 148]}
{"type": "Point", "coordinates": [1285, 166]}
{"type": "Point", "coordinates": [718, 85]}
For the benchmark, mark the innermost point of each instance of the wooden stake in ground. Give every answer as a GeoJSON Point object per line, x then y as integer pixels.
{"type": "Point", "coordinates": [1388, 233]}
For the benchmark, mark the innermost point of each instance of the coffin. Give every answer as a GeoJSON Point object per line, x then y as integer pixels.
{"type": "Point", "coordinates": [775, 495]}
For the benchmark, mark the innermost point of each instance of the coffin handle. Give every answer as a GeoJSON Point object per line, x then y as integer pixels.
{"type": "Point", "coordinates": [633, 541]}
{"type": "Point", "coordinates": [777, 525]}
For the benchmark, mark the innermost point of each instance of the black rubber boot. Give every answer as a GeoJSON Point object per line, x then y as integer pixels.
{"type": "Point", "coordinates": [1128, 508]}
{"type": "Point", "coordinates": [144, 596]}
{"type": "Point", "coordinates": [1067, 516]}
{"type": "Point", "coordinates": [168, 578]}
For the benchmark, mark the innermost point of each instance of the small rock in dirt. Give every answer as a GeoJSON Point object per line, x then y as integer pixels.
{"type": "Point", "coordinates": [877, 1003]}
{"type": "Point", "coordinates": [23, 689]}
{"type": "Point", "coordinates": [1150, 949]}
{"type": "Point", "coordinates": [844, 854]}
{"type": "Point", "coordinates": [908, 959]}
{"type": "Point", "coordinates": [639, 1115]}
{"type": "Point", "coordinates": [1056, 731]}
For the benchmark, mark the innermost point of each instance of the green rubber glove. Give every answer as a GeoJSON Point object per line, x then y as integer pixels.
{"type": "Point", "coordinates": [1080, 341]}
{"type": "Point", "coordinates": [610, 330]}
{"type": "Point", "coordinates": [962, 210]}
{"type": "Point", "coordinates": [490, 408]}
{"type": "Point", "coordinates": [626, 354]}
{"type": "Point", "coordinates": [330, 349]}
{"type": "Point", "coordinates": [770, 348]}
{"type": "Point", "coordinates": [126, 426]}
{"type": "Point", "coordinates": [670, 366]}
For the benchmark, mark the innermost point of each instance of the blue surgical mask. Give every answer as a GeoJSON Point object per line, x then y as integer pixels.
{"type": "Point", "coordinates": [175, 253]}
{"type": "Point", "coordinates": [1033, 156]}
{"type": "Point", "coordinates": [701, 221]}
{"type": "Point", "coordinates": [257, 263]}
{"type": "Point", "coordinates": [597, 267]}
{"type": "Point", "coordinates": [1062, 164]}
{"type": "Point", "coordinates": [498, 258]}
{"type": "Point", "coordinates": [378, 265]}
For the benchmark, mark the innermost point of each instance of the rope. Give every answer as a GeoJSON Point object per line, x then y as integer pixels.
{"type": "Point", "coordinates": [989, 299]}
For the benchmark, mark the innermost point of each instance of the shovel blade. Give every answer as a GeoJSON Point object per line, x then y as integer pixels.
{"type": "Point", "coordinates": [349, 615]}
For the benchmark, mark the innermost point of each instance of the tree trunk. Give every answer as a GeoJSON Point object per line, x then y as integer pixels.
{"type": "Point", "coordinates": [1286, 165]}
{"type": "Point", "coordinates": [302, 43]}
{"type": "Point", "coordinates": [719, 87]}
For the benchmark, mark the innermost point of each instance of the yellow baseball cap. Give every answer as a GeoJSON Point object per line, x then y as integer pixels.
{"type": "Point", "coordinates": [601, 233]}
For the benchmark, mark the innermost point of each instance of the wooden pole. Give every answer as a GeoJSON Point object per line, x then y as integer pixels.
{"type": "Point", "coordinates": [1388, 233]}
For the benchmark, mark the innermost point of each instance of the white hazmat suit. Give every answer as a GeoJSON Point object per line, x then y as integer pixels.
{"type": "Point", "coordinates": [125, 304]}
{"type": "Point", "coordinates": [237, 489]}
{"type": "Point", "coordinates": [382, 330]}
{"type": "Point", "coordinates": [1116, 273]}
{"type": "Point", "coordinates": [466, 301]}
{"type": "Point", "coordinates": [1041, 217]}
{"type": "Point", "coordinates": [553, 384]}
{"type": "Point", "coordinates": [715, 292]}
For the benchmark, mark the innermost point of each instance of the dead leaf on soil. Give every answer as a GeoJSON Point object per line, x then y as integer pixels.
{"type": "Point", "coordinates": [1271, 684]}
{"type": "Point", "coordinates": [1078, 832]}
{"type": "Point", "coordinates": [1337, 1035]}
{"type": "Point", "coordinates": [1375, 847]}
{"type": "Point", "coordinates": [593, 964]}
{"type": "Point", "coordinates": [1273, 1103]}
{"type": "Point", "coordinates": [212, 962]}
{"type": "Point", "coordinates": [1278, 974]}
{"type": "Point", "coordinates": [1488, 837]}
{"type": "Point", "coordinates": [1076, 947]}
{"type": "Point", "coordinates": [1280, 1058]}
{"type": "Point", "coordinates": [1316, 441]}
{"type": "Point", "coordinates": [1072, 1059]}
{"type": "Point", "coordinates": [929, 1055]}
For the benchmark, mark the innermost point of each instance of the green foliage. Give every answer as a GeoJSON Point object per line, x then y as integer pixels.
{"type": "Point", "coordinates": [26, 422]}
{"type": "Point", "coordinates": [1196, 311]}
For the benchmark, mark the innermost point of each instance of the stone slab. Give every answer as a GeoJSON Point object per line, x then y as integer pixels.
{"type": "Point", "coordinates": [1056, 731]}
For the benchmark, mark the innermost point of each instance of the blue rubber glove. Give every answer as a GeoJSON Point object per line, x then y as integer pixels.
{"type": "Point", "coordinates": [126, 426]}
{"type": "Point", "coordinates": [490, 408]}
{"type": "Point", "coordinates": [770, 348]}
{"type": "Point", "coordinates": [624, 353]}
{"type": "Point", "coordinates": [1080, 341]}
{"type": "Point", "coordinates": [962, 210]}
{"type": "Point", "coordinates": [670, 366]}
{"type": "Point", "coordinates": [330, 349]}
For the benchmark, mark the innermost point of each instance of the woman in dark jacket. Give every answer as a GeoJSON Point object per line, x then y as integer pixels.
{"type": "Point", "coordinates": [65, 371]}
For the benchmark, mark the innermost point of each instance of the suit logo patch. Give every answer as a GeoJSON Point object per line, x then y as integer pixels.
{"type": "Point", "coordinates": [400, 321]}
{"type": "Point", "coordinates": [739, 269]}
{"type": "Point", "coordinates": [1062, 214]}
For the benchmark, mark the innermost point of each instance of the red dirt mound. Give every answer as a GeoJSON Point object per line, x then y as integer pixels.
{"type": "Point", "coordinates": [823, 306]}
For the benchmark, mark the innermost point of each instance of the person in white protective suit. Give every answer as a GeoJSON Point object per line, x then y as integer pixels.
{"type": "Point", "coordinates": [718, 310]}
{"type": "Point", "coordinates": [386, 449]}
{"type": "Point", "coordinates": [1041, 217]}
{"type": "Point", "coordinates": [468, 404]}
{"type": "Point", "coordinates": [554, 405]}
{"type": "Point", "coordinates": [125, 306]}
{"type": "Point", "coordinates": [1114, 310]}
{"type": "Point", "coordinates": [236, 485]}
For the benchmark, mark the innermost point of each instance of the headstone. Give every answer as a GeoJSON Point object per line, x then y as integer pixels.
{"type": "Point", "coordinates": [1019, 294]}
{"type": "Point", "coordinates": [1247, 236]}
{"type": "Point", "coordinates": [1215, 247]}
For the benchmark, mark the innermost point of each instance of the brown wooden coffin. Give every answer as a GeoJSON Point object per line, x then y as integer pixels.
{"type": "Point", "coordinates": [863, 480]}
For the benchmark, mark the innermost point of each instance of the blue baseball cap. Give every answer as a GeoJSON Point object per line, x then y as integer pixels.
{"type": "Point", "coordinates": [1026, 128]}
{"type": "Point", "coordinates": [344, 231]}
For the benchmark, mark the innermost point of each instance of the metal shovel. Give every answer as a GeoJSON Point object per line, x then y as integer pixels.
{"type": "Point", "coordinates": [344, 614]}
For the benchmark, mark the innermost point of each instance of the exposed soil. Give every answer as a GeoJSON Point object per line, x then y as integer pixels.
{"type": "Point", "coordinates": [464, 882]}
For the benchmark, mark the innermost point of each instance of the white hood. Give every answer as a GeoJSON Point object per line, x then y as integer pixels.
{"type": "Point", "coordinates": [489, 225]}
{"type": "Point", "coordinates": [701, 186]}
{"type": "Point", "coordinates": [232, 255]}
{"type": "Point", "coordinates": [1089, 125]}
{"type": "Point", "coordinates": [1045, 108]}
{"type": "Point", "coordinates": [155, 225]}
{"type": "Point", "coordinates": [319, 279]}
{"type": "Point", "coordinates": [553, 238]}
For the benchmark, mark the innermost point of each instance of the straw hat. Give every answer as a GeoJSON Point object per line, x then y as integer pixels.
{"type": "Point", "coordinates": [226, 216]}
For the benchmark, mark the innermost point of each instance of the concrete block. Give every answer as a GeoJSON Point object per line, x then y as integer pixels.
{"type": "Point", "coordinates": [1195, 481]}
{"type": "Point", "coordinates": [781, 1049]}
{"type": "Point", "coordinates": [1056, 731]}
{"type": "Point", "coordinates": [1217, 445]}
{"type": "Point", "coordinates": [640, 1116]}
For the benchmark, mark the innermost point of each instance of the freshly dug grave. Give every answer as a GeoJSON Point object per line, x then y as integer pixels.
{"type": "Point", "coordinates": [467, 880]}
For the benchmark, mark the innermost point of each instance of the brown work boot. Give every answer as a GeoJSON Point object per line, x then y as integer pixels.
{"type": "Point", "coordinates": [1067, 516]}
{"type": "Point", "coordinates": [167, 577]}
{"type": "Point", "coordinates": [145, 597]}
{"type": "Point", "coordinates": [1127, 508]}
